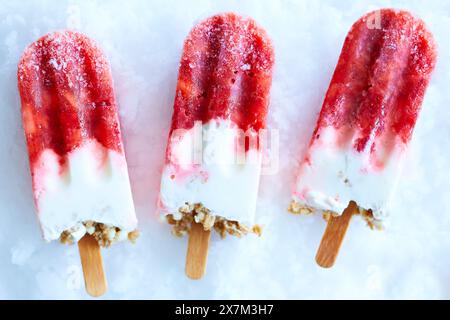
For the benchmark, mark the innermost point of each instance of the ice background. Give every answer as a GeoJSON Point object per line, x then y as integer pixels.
{"type": "Point", "coordinates": [143, 40]}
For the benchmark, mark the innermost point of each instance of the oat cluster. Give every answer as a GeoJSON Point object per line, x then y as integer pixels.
{"type": "Point", "coordinates": [297, 208]}
{"type": "Point", "coordinates": [197, 213]}
{"type": "Point", "coordinates": [105, 234]}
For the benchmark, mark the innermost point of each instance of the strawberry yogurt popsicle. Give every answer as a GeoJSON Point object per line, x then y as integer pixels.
{"type": "Point", "coordinates": [78, 167]}
{"type": "Point", "coordinates": [367, 117]}
{"type": "Point", "coordinates": [213, 159]}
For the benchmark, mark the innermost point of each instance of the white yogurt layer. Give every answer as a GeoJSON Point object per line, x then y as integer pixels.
{"type": "Point", "coordinates": [335, 175]}
{"type": "Point", "coordinates": [92, 186]}
{"type": "Point", "coordinates": [208, 164]}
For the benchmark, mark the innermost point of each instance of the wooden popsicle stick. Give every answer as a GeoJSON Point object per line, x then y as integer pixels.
{"type": "Point", "coordinates": [197, 252]}
{"type": "Point", "coordinates": [92, 263]}
{"type": "Point", "coordinates": [333, 237]}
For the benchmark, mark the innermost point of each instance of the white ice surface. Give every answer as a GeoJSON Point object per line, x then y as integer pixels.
{"type": "Point", "coordinates": [143, 40]}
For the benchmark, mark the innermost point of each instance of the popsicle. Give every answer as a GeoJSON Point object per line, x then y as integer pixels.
{"type": "Point", "coordinates": [213, 161]}
{"type": "Point", "coordinates": [356, 152]}
{"type": "Point", "coordinates": [78, 166]}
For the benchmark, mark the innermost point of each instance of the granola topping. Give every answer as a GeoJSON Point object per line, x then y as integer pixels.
{"type": "Point", "coordinates": [105, 234]}
{"type": "Point", "coordinates": [372, 222]}
{"type": "Point", "coordinates": [182, 220]}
